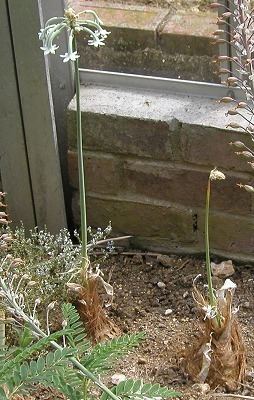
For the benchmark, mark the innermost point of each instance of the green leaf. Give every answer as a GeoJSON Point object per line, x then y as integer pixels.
{"type": "Point", "coordinates": [136, 390]}
{"type": "Point", "coordinates": [49, 359]}
{"type": "Point", "coordinates": [76, 337]}
{"type": "Point", "coordinates": [24, 371]}
{"type": "Point", "coordinates": [103, 355]}
{"type": "Point", "coordinates": [3, 394]}
{"type": "Point", "coordinates": [26, 337]}
{"type": "Point", "coordinates": [40, 365]}
{"type": "Point", "coordinates": [27, 353]}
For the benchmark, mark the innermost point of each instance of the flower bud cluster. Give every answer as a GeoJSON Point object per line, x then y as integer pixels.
{"type": "Point", "coordinates": [85, 21]}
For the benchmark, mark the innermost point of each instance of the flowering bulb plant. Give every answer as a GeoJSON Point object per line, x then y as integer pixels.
{"type": "Point", "coordinates": [236, 23]}
{"type": "Point", "coordinates": [89, 23]}
{"type": "Point", "coordinates": [218, 355]}
{"type": "Point", "coordinates": [85, 296]}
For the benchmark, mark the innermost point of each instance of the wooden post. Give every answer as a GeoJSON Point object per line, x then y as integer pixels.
{"type": "Point", "coordinates": [62, 84]}
{"type": "Point", "coordinates": [37, 114]}
{"type": "Point", "coordinates": [13, 153]}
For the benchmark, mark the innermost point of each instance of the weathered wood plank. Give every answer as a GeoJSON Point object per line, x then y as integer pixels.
{"type": "Point", "coordinates": [37, 111]}
{"type": "Point", "coordinates": [13, 159]}
{"type": "Point", "coordinates": [62, 84]}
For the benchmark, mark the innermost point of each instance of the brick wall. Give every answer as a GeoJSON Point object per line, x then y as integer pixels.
{"type": "Point", "coordinates": [149, 177]}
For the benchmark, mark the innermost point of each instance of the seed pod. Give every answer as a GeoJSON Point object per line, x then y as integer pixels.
{"type": "Point", "coordinates": [4, 221]}
{"type": "Point", "coordinates": [226, 14]}
{"type": "Point", "coordinates": [219, 41]}
{"type": "Point", "coordinates": [51, 305]}
{"type": "Point", "coordinates": [248, 188]}
{"type": "Point", "coordinates": [232, 79]}
{"type": "Point", "coordinates": [242, 104]}
{"type": "Point", "coordinates": [247, 154]}
{"type": "Point", "coordinates": [31, 283]}
{"type": "Point", "coordinates": [238, 144]}
{"type": "Point", "coordinates": [226, 100]}
{"type": "Point", "coordinates": [218, 32]}
{"type": "Point", "coordinates": [223, 58]}
{"type": "Point", "coordinates": [223, 71]}
{"type": "Point", "coordinates": [232, 112]}
{"type": "Point", "coordinates": [220, 21]}
{"type": "Point", "coordinates": [234, 125]}
{"type": "Point", "coordinates": [215, 5]}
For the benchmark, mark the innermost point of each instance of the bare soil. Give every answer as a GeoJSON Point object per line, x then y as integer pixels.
{"type": "Point", "coordinates": [139, 304]}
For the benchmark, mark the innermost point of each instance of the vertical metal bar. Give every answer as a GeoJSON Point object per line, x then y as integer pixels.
{"type": "Point", "coordinates": [38, 116]}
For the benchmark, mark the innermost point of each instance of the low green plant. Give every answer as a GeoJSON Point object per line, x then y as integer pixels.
{"type": "Point", "coordinates": [74, 362]}
{"type": "Point", "coordinates": [50, 261]}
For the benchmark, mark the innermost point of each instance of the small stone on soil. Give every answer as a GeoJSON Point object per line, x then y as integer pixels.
{"type": "Point", "coordinates": [117, 378]}
{"type": "Point", "coordinates": [166, 261]}
{"type": "Point", "coordinates": [202, 388]}
{"type": "Point", "coordinates": [168, 311]}
{"type": "Point", "coordinates": [161, 285]}
{"type": "Point", "coordinates": [141, 360]}
{"type": "Point", "coordinates": [223, 270]}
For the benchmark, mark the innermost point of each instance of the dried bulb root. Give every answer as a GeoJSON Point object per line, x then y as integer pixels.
{"type": "Point", "coordinates": [218, 356]}
{"type": "Point", "coordinates": [87, 300]}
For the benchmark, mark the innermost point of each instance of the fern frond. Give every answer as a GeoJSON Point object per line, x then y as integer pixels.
{"type": "Point", "coordinates": [51, 370]}
{"type": "Point", "coordinates": [137, 390]}
{"type": "Point", "coordinates": [27, 353]}
{"type": "Point", "coordinates": [76, 338]}
{"type": "Point", "coordinates": [103, 354]}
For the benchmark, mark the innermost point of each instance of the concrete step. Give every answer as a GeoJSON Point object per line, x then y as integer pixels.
{"type": "Point", "coordinates": [152, 41]}
{"type": "Point", "coordinates": [148, 157]}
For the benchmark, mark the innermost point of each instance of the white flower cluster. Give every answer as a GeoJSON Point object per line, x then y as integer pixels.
{"type": "Point", "coordinates": [73, 24]}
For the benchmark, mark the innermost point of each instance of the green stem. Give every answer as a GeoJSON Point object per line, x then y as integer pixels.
{"type": "Point", "coordinates": [212, 300]}
{"type": "Point", "coordinates": [2, 328]}
{"type": "Point", "coordinates": [88, 374]}
{"type": "Point", "coordinates": [82, 190]}
{"type": "Point", "coordinates": [85, 372]}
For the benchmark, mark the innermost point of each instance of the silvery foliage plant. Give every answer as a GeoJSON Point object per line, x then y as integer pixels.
{"type": "Point", "coordinates": [236, 27]}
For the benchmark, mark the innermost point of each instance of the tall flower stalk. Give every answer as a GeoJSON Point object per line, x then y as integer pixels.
{"type": "Point", "coordinates": [214, 175]}
{"type": "Point", "coordinates": [84, 296]}
{"type": "Point", "coordinates": [82, 188]}
{"type": "Point", "coordinates": [218, 355]}
{"type": "Point", "coordinates": [74, 24]}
